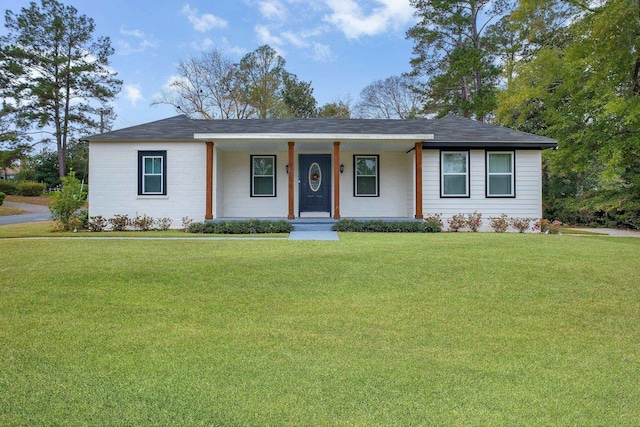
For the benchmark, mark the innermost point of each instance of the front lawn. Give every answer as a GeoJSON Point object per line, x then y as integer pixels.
{"type": "Point", "coordinates": [6, 210]}
{"type": "Point", "coordinates": [43, 200]}
{"type": "Point", "coordinates": [469, 328]}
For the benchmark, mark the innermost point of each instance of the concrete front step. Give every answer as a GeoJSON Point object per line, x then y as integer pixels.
{"type": "Point", "coordinates": [312, 227]}
{"type": "Point", "coordinates": [313, 224]}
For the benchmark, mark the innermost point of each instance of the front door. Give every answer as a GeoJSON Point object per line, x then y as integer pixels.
{"type": "Point", "coordinates": [315, 183]}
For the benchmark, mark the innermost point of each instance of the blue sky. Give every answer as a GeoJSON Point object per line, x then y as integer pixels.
{"type": "Point", "coordinates": [339, 45]}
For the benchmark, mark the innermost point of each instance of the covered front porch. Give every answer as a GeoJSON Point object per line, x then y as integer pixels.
{"type": "Point", "coordinates": [314, 177]}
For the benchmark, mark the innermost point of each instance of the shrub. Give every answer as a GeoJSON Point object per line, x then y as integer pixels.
{"type": "Point", "coordinates": [547, 227]}
{"type": "Point", "coordinates": [433, 226]}
{"type": "Point", "coordinates": [2, 196]}
{"type": "Point", "coordinates": [520, 224]}
{"type": "Point", "coordinates": [30, 188]}
{"type": "Point", "coordinates": [8, 187]}
{"type": "Point", "coordinates": [186, 222]}
{"type": "Point", "coordinates": [84, 219]}
{"type": "Point", "coordinates": [379, 226]}
{"type": "Point", "coordinates": [603, 208]}
{"type": "Point", "coordinates": [434, 218]}
{"type": "Point", "coordinates": [164, 223]}
{"type": "Point", "coordinates": [97, 223]}
{"type": "Point", "coordinates": [143, 223]}
{"type": "Point", "coordinates": [456, 222]}
{"type": "Point", "coordinates": [349, 224]}
{"type": "Point", "coordinates": [251, 226]}
{"type": "Point", "coordinates": [66, 202]}
{"type": "Point", "coordinates": [474, 221]}
{"type": "Point", "coordinates": [119, 222]}
{"type": "Point", "coordinates": [500, 224]}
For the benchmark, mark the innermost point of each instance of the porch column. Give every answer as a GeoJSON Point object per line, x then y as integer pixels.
{"type": "Point", "coordinates": [336, 180]}
{"type": "Point", "coordinates": [209, 184]}
{"type": "Point", "coordinates": [419, 214]}
{"type": "Point", "coordinates": [291, 176]}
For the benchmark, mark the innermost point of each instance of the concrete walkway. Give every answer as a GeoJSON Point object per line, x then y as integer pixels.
{"type": "Point", "coordinates": [37, 213]}
{"type": "Point", "coordinates": [313, 235]}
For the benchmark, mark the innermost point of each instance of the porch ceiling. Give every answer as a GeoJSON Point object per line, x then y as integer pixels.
{"type": "Point", "coordinates": [315, 146]}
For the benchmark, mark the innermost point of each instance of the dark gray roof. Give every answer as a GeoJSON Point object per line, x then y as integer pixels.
{"type": "Point", "coordinates": [458, 132]}
{"type": "Point", "coordinates": [448, 132]}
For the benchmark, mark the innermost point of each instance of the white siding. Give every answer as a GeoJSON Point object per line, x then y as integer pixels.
{"type": "Point", "coordinates": [395, 172]}
{"type": "Point", "coordinates": [218, 183]}
{"type": "Point", "coordinates": [234, 180]}
{"type": "Point", "coordinates": [526, 204]}
{"type": "Point", "coordinates": [113, 181]}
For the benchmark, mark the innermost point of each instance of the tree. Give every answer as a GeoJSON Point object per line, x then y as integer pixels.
{"type": "Point", "coordinates": [297, 97]}
{"type": "Point", "coordinates": [261, 72]}
{"type": "Point", "coordinates": [56, 72]}
{"type": "Point", "coordinates": [585, 92]}
{"type": "Point", "coordinates": [337, 109]}
{"type": "Point", "coordinates": [209, 87]}
{"type": "Point", "coordinates": [450, 52]}
{"type": "Point", "coordinates": [8, 130]}
{"type": "Point", "coordinates": [66, 202]}
{"type": "Point", "coordinates": [214, 87]}
{"type": "Point", "coordinates": [42, 167]}
{"type": "Point", "coordinates": [8, 158]}
{"type": "Point", "coordinates": [391, 98]}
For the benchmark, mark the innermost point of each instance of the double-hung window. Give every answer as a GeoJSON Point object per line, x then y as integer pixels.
{"type": "Point", "coordinates": [152, 172]}
{"type": "Point", "coordinates": [367, 178]}
{"type": "Point", "coordinates": [500, 174]}
{"type": "Point", "coordinates": [263, 176]}
{"type": "Point", "coordinates": [454, 174]}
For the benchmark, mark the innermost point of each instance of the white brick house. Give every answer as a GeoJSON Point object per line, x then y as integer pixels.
{"type": "Point", "coordinates": [339, 168]}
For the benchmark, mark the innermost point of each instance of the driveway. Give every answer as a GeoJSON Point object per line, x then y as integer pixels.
{"type": "Point", "coordinates": [36, 213]}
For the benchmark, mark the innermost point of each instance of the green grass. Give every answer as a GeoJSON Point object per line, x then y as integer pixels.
{"type": "Point", "coordinates": [468, 328]}
{"type": "Point", "coordinates": [6, 210]}
{"type": "Point", "coordinates": [579, 231]}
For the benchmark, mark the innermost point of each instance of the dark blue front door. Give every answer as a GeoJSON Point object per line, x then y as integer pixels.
{"type": "Point", "coordinates": [315, 182]}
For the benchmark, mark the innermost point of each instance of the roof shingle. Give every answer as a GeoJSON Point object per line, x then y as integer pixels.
{"type": "Point", "coordinates": [449, 131]}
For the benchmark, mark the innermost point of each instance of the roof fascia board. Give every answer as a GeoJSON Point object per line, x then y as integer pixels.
{"type": "Point", "coordinates": [312, 136]}
{"type": "Point", "coordinates": [480, 145]}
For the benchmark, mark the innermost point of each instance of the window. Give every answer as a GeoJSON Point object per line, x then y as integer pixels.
{"type": "Point", "coordinates": [367, 183]}
{"type": "Point", "coordinates": [454, 171]}
{"type": "Point", "coordinates": [500, 176]}
{"type": "Point", "coordinates": [263, 176]}
{"type": "Point", "coordinates": [152, 172]}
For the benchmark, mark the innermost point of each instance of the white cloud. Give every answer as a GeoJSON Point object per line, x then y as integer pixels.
{"type": "Point", "coordinates": [204, 22]}
{"type": "Point", "coordinates": [322, 53]}
{"type": "Point", "coordinates": [133, 94]}
{"type": "Point", "coordinates": [294, 39]}
{"type": "Point", "coordinates": [273, 9]}
{"type": "Point", "coordinates": [174, 81]}
{"type": "Point", "coordinates": [142, 41]}
{"type": "Point", "coordinates": [203, 45]}
{"type": "Point", "coordinates": [349, 17]}
{"type": "Point", "coordinates": [132, 33]}
{"type": "Point", "coordinates": [265, 36]}
{"type": "Point", "coordinates": [233, 50]}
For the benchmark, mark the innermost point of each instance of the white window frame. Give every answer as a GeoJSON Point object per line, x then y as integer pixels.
{"type": "Point", "coordinates": [272, 176]}
{"type": "Point", "coordinates": [467, 174]}
{"type": "Point", "coordinates": [512, 174]}
{"type": "Point", "coordinates": [376, 157]}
